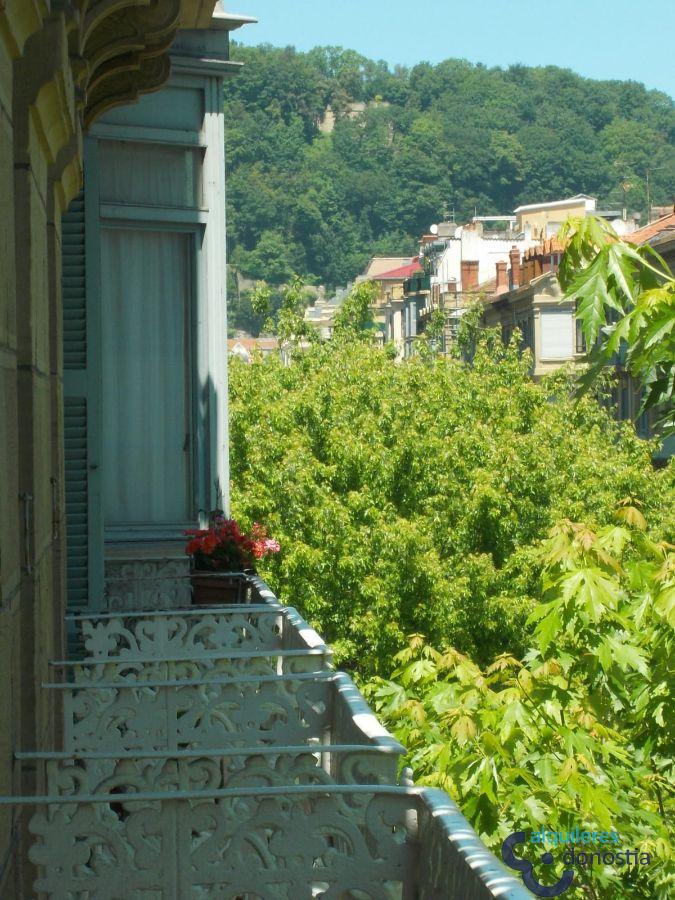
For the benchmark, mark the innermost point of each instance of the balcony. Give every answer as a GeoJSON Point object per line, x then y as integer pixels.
{"type": "Point", "coordinates": [417, 284]}
{"type": "Point", "coordinates": [216, 752]}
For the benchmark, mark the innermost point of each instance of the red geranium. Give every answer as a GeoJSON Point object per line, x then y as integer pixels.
{"type": "Point", "coordinates": [223, 547]}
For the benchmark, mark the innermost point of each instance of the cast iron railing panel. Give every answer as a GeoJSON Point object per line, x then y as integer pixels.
{"type": "Point", "coordinates": [214, 753]}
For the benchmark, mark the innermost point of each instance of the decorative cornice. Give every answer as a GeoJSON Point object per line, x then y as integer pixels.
{"type": "Point", "coordinates": [124, 84]}
{"type": "Point", "coordinates": [18, 20]}
{"type": "Point", "coordinates": [114, 48]}
{"type": "Point", "coordinates": [43, 91]}
{"type": "Point", "coordinates": [118, 49]}
{"type": "Point", "coordinates": [75, 59]}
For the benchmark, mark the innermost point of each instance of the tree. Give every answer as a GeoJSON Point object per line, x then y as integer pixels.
{"type": "Point", "coordinates": [577, 733]}
{"type": "Point", "coordinates": [538, 133]}
{"type": "Point", "coordinates": [411, 498]}
{"type": "Point", "coordinates": [288, 321]}
{"type": "Point", "coordinates": [430, 342]}
{"type": "Point", "coordinates": [354, 319]}
{"type": "Point", "coordinates": [271, 260]}
{"type": "Point", "coordinates": [625, 298]}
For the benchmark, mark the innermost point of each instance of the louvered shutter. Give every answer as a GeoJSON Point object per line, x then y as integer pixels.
{"type": "Point", "coordinates": [557, 334]}
{"type": "Point", "coordinates": [81, 363]}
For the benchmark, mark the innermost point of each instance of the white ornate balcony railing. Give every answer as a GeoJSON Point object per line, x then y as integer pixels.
{"type": "Point", "coordinates": [184, 634]}
{"type": "Point", "coordinates": [215, 753]}
{"type": "Point", "coordinates": [206, 713]}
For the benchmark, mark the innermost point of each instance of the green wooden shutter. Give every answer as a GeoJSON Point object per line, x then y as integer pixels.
{"type": "Point", "coordinates": [81, 363]}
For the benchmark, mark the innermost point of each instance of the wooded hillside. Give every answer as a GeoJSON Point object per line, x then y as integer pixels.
{"type": "Point", "coordinates": [453, 135]}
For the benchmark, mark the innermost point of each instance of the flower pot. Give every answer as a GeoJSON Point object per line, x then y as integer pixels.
{"type": "Point", "coordinates": [218, 588]}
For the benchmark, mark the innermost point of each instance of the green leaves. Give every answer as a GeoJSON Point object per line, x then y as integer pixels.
{"type": "Point", "coordinates": [578, 733]}
{"type": "Point", "coordinates": [354, 319]}
{"type": "Point", "coordinates": [592, 590]}
{"type": "Point", "coordinates": [412, 497]}
{"type": "Point", "coordinates": [417, 499]}
{"type": "Point", "coordinates": [625, 300]}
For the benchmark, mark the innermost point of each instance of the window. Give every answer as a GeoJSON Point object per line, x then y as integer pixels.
{"type": "Point", "coordinates": [150, 174]}
{"type": "Point", "coordinates": [556, 334]}
{"type": "Point", "coordinates": [145, 284]}
{"type": "Point", "coordinates": [580, 343]}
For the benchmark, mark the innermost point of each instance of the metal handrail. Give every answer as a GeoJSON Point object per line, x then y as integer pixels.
{"type": "Point", "coordinates": [225, 654]}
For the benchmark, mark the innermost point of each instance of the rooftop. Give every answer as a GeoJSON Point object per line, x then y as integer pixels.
{"type": "Point", "coordinates": [400, 273]}
{"type": "Point", "coordinates": [648, 232]}
{"type": "Point", "coordinates": [570, 201]}
{"type": "Point", "coordinates": [261, 343]}
{"type": "Point", "coordinates": [379, 264]}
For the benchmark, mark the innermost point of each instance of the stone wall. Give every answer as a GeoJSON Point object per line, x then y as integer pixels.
{"type": "Point", "coordinates": [37, 120]}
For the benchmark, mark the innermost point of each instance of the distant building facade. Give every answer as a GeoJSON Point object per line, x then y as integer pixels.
{"type": "Point", "coordinates": [540, 221]}
{"type": "Point", "coordinates": [476, 260]}
{"type": "Point", "coordinates": [532, 302]}
{"type": "Point", "coordinates": [247, 349]}
{"type": "Point", "coordinates": [321, 313]}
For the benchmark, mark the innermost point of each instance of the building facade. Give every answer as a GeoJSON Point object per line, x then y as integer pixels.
{"type": "Point", "coordinates": [77, 348]}
{"type": "Point", "coordinates": [533, 303]}
{"type": "Point", "coordinates": [541, 221]}
{"type": "Point", "coordinates": [473, 262]}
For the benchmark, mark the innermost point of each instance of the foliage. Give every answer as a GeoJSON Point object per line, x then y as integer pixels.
{"type": "Point", "coordinates": [224, 547]}
{"type": "Point", "coordinates": [580, 731]}
{"type": "Point", "coordinates": [625, 298]}
{"type": "Point", "coordinates": [354, 319]}
{"type": "Point", "coordinates": [431, 139]}
{"type": "Point", "coordinates": [410, 498]}
{"type": "Point", "coordinates": [289, 322]}
{"type": "Point", "coordinates": [430, 342]}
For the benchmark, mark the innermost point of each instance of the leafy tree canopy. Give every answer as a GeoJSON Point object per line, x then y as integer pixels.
{"type": "Point", "coordinates": [476, 548]}
{"type": "Point", "coordinates": [577, 733]}
{"type": "Point", "coordinates": [411, 497]}
{"type": "Point", "coordinates": [625, 299]}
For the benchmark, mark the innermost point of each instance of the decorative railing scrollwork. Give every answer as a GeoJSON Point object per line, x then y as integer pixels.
{"type": "Point", "coordinates": [248, 784]}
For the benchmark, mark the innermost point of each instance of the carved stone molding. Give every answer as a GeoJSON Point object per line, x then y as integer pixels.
{"type": "Point", "coordinates": [286, 847]}
{"type": "Point", "coordinates": [199, 715]}
{"type": "Point", "coordinates": [171, 637]}
{"type": "Point", "coordinates": [75, 59]}
{"type": "Point", "coordinates": [122, 83]}
{"type": "Point", "coordinates": [257, 786]}
{"type": "Point", "coordinates": [119, 50]}
{"type": "Point", "coordinates": [19, 19]}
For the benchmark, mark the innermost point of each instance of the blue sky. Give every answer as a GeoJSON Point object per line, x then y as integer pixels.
{"type": "Point", "coordinates": [625, 39]}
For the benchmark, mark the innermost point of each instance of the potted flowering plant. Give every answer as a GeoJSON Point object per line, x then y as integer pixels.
{"type": "Point", "coordinates": [221, 553]}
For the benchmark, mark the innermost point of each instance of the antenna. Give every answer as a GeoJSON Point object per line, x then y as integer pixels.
{"type": "Point", "coordinates": [433, 229]}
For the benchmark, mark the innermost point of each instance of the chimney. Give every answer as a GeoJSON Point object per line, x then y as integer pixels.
{"type": "Point", "coordinates": [502, 278]}
{"type": "Point", "coordinates": [514, 259]}
{"type": "Point", "coordinates": [469, 273]}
